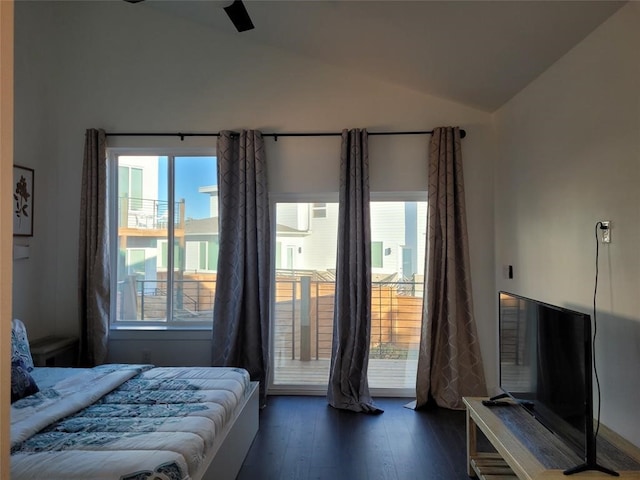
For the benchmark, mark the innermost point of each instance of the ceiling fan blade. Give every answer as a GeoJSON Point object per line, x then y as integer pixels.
{"type": "Point", "coordinates": [239, 16]}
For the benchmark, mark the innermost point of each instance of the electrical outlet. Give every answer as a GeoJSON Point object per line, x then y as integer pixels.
{"type": "Point", "coordinates": [606, 231]}
{"type": "Point", "coordinates": [146, 356]}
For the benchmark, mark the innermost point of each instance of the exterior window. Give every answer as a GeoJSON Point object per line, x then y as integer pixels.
{"type": "Point", "coordinates": [163, 248]}
{"type": "Point", "coordinates": [319, 210]}
{"type": "Point", "coordinates": [278, 263]}
{"type": "Point", "coordinates": [130, 186]}
{"type": "Point", "coordinates": [161, 200]}
{"type": "Point", "coordinates": [376, 254]}
{"type": "Point", "coordinates": [135, 263]}
{"type": "Point", "coordinates": [212, 255]}
{"type": "Point", "coordinates": [291, 256]}
{"type": "Point", "coordinates": [201, 256]}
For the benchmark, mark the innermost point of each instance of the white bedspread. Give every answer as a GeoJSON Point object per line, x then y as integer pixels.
{"type": "Point", "coordinates": [124, 422]}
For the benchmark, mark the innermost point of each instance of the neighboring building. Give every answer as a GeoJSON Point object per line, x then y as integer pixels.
{"type": "Point", "coordinates": [306, 233]}
{"type": "Point", "coordinates": [306, 237]}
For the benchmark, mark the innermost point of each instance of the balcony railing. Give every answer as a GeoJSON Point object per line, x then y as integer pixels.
{"type": "Point", "coordinates": [303, 318]}
{"type": "Point", "coordinates": [144, 213]}
{"type": "Point", "coordinates": [303, 311]}
{"type": "Point", "coordinates": [146, 300]}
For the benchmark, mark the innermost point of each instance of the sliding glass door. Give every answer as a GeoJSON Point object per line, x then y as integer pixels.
{"type": "Point", "coordinates": [304, 291]}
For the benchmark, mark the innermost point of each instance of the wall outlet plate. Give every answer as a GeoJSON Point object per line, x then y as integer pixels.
{"type": "Point", "coordinates": [507, 271]}
{"type": "Point", "coordinates": [606, 231]}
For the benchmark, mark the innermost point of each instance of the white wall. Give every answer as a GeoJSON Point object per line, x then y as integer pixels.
{"type": "Point", "coordinates": [570, 156]}
{"type": "Point", "coordinates": [129, 68]}
{"type": "Point", "coordinates": [34, 141]}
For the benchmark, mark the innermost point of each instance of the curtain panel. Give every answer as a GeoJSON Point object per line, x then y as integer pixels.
{"type": "Point", "coordinates": [348, 384]}
{"type": "Point", "coordinates": [449, 361]}
{"type": "Point", "coordinates": [93, 259]}
{"type": "Point", "coordinates": [241, 308]}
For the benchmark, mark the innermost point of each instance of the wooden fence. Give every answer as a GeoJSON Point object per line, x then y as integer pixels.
{"type": "Point", "coordinates": [303, 320]}
{"type": "Point", "coordinates": [303, 313]}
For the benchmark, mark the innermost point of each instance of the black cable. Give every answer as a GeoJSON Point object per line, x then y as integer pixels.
{"type": "Point", "coordinates": [595, 331]}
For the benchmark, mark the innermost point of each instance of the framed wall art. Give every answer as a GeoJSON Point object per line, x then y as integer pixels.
{"type": "Point", "coordinates": [23, 201]}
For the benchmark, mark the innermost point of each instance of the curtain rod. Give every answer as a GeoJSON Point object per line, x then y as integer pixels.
{"type": "Point", "coordinates": [275, 136]}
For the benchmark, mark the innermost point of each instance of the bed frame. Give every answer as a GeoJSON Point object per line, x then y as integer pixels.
{"type": "Point", "coordinates": [225, 460]}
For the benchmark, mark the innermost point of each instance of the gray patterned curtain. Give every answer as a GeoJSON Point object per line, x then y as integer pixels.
{"type": "Point", "coordinates": [348, 385]}
{"type": "Point", "coordinates": [449, 361]}
{"type": "Point", "coordinates": [93, 261]}
{"type": "Point", "coordinates": [241, 308]}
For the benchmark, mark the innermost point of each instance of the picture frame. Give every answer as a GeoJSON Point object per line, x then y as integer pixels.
{"type": "Point", "coordinates": [23, 196]}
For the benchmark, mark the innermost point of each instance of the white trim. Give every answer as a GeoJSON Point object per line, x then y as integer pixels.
{"type": "Point", "coordinates": [333, 197]}
{"type": "Point", "coordinates": [140, 332]}
{"type": "Point", "coordinates": [414, 196]}
{"type": "Point", "coordinates": [328, 197]}
{"type": "Point", "coordinates": [321, 390]}
{"type": "Point", "coordinates": [161, 152]}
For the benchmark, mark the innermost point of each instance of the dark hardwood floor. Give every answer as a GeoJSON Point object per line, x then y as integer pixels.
{"type": "Point", "coordinates": [303, 438]}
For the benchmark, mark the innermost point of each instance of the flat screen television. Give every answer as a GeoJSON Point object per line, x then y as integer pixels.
{"type": "Point", "coordinates": [546, 366]}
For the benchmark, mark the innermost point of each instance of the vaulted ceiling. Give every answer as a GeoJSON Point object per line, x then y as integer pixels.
{"type": "Point", "coordinates": [480, 53]}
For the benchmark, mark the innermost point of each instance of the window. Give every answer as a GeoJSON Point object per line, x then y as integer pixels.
{"type": "Point", "coordinates": [135, 262]}
{"type": "Point", "coordinates": [376, 254]}
{"type": "Point", "coordinates": [162, 199]}
{"type": "Point", "coordinates": [303, 301]}
{"type": "Point", "coordinates": [304, 291]}
{"type": "Point", "coordinates": [130, 186]}
{"type": "Point", "coordinates": [396, 290]}
{"type": "Point", "coordinates": [201, 256]}
{"type": "Point", "coordinates": [319, 210]}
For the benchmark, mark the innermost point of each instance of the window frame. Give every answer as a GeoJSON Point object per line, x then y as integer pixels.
{"type": "Point", "coordinates": [113, 153]}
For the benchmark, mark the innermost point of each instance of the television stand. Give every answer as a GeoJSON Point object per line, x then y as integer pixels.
{"type": "Point", "coordinates": [587, 467]}
{"type": "Point", "coordinates": [526, 450]}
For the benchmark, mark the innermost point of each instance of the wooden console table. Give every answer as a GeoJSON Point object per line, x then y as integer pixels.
{"type": "Point", "coordinates": [526, 450]}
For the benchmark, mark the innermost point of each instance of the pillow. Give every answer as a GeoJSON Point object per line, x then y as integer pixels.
{"type": "Point", "coordinates": [20, 344]}
{"type": "Point", "coordinates": [22, 383]}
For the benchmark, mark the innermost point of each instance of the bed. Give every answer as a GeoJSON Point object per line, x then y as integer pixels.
{"type": "Point", "coordinates": [129, 422]}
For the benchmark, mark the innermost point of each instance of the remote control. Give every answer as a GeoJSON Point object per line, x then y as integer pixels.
{"type": "Point", "coordinates": [496, 403]}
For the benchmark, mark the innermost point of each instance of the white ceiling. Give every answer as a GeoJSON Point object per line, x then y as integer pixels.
{"type": "Point", "coordinates": [479, 53]}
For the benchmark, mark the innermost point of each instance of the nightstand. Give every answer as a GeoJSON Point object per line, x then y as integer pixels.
{"type": "Point", "coordinates": [54, 351]}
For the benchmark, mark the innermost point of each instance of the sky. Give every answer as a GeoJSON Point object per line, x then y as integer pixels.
{"type": "Point", "coordinates": [191, 174]}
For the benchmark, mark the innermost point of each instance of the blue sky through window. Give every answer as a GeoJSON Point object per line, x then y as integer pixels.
{"type": "Point", "coordinates": [191, 173]}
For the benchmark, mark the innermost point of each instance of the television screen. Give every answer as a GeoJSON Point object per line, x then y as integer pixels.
{"type": "Point", "coordinates": [545, 365]}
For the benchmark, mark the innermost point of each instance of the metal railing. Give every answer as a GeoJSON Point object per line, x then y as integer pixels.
{"type": "Point", "coordinates": [192, 299]}
{"type": "Point", "coordinates": [303, 318]}
{"type": "Point", "coordinates": [302, 313]}
{"type": "Point", "coordinates": [145, 213]}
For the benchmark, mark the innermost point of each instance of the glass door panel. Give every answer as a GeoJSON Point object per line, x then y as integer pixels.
{"type": "Point", "coordinates": [305, 260]}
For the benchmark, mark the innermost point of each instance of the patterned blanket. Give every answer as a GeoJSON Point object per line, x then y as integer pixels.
{"type": "Point", "coordinates": [124, 422]}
